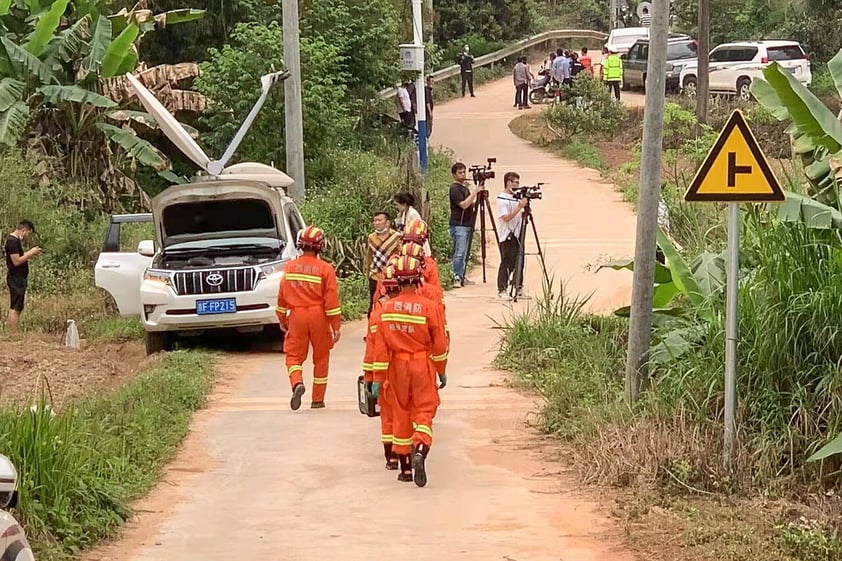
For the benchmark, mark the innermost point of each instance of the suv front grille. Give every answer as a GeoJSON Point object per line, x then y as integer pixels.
{"type": "Point", "coordinates": [209, 282]}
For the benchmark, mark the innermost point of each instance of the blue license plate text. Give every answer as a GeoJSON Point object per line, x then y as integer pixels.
{"type": "Point", "coordinates": [216, 306]}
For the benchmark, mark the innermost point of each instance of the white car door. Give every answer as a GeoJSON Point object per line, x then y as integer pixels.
{"type": "Point", "coordinates": [719, 65]}
{"type": "Point", "coordinates": [120, 273]}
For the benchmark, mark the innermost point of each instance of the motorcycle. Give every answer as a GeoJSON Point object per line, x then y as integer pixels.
{"type": "Point", "coordinates": [542, 88]}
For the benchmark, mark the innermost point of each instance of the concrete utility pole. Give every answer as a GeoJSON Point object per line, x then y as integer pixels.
{"type": "Point", "coordinates": [612, 17]}
{"type": "Point", "coordinates": [640, 325]}
{"type": "Point", "coordinates": [703, 72]}
{"type": "Point", "coordinates": [420, 92]}
{"type": "Point", "coordinates": [293, 118]}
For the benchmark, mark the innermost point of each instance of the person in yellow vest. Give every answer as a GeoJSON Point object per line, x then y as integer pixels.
{"type": "Point", "coordinates": [612, 72]}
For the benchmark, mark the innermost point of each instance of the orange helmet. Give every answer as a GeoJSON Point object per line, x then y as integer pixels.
{"type": "Point", "coordinates": [312, 237]}
{"type": "Point", "coordinates": [408, 270]}
{"type": "Point", "coordinates": [389, 280]}
{"type": "Point", "coordinates": [416, 231]}
{"type": "Point", "coordinates": [414, 250]}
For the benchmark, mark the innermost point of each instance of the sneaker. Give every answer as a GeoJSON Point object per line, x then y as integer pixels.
{"type": "Point", "coordinates": [317, 405]}
{"type": "Point", "coordinates": [297, 392]}
{"type": "Point", "coordinates": [457, 282]}
{"type": "Point", "coordinates": [503, 295]}
{"type": "Point", "coordinates": [418, 467]}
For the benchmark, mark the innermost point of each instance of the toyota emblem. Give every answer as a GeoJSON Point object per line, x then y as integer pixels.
{"type": "Point", "coordinates": [214, 279]}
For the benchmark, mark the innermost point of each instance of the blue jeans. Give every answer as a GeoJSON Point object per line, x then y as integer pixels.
{"type": "Point", "coordinates": [460, 235]}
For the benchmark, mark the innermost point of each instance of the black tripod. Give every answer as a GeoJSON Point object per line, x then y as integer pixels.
{"type": "Point", "coordinates": [517, 275]}
{"type": "Point", "coordinates": [483, 206]}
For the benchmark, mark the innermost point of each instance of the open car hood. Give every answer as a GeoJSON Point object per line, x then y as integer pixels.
{"type": "Point", "coordinates": [217, 209]}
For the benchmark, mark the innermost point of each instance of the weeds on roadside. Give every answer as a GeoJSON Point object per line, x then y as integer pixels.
{"type": "Point", "coordinates": [80, 469]}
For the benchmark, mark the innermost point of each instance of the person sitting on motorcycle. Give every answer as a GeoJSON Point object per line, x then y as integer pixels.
{"type": "Point", "coordinates": [544, 73]}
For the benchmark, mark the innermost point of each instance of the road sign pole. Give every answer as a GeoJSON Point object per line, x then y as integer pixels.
{"type": "Point", "coordinates": [732, 314]}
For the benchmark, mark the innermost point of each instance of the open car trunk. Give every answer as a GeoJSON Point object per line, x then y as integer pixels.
{"type": "Point", "coordinates": [218, 209]}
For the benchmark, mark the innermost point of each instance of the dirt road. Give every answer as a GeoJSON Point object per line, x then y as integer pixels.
{"type": "Point", "coordinates": [257, 481]}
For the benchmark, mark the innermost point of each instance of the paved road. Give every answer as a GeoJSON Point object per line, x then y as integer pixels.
{"type": "Point", "coordinates": [256, 481]}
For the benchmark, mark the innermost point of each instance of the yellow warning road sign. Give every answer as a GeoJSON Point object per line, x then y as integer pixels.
{"type": "Point", "coordinates": [735, 169]}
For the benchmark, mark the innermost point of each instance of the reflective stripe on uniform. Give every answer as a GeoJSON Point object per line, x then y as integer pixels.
{"type": "Point", "coordinates": [304, 278]}
{"type": "Point", "coordinates": [373, 329]}
{"type": "Point", "coordinates": [294, 368]}
{"type": "Point", "coordinates": [320, 381]}
{"type": "Point", "coordinates": [280, 309]}
{"type": "Point", "coordinates": [368, 366]}
{"type": "Point", "coordinates": [380, 366]}
{"type": "Point", "coordinates": [440, 357]}
{"type": "Point", "coordinates": [333, 312]}
{"type": "Point", "coordinates": [407, 318]}
{"type": "Point", "coordinates": [402, 441]}
{"type": "Point", "coordinates": [425, 429]}
{"type": "Point", "coordinates": [387, 438]}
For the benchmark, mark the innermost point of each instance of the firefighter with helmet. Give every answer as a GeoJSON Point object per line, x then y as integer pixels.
{"type": "Point", "coordinates": [417, 231]}
{"type": "Point", "coordinates": [411, 348]}
{"type": "Point", "coordinates": [309, 312]}
{"type": "Point", "coordinates": [376, 379]}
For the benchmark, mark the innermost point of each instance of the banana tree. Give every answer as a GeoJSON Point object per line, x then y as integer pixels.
{"type": "Point", "coordinates": [816, 132]}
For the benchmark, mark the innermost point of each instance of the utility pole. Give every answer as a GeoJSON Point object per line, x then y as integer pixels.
{"type": "Point", "coordinates": [293, 118]}
{"type": "Point", "coordinates": [612, 17]}
{"type": "Point", "coordinates": [420, 93]}
{"type": "Point", "coordinates": [703, 72]}
{"type": "Point", "coordinates": [640, 324]}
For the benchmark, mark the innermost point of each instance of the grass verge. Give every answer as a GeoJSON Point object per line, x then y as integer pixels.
{"type": "Point", "coordinates": [80, 470]}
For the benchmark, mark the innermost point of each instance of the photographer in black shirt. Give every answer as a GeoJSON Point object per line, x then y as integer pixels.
{"type": "Point", "coordinates": [17, 269]}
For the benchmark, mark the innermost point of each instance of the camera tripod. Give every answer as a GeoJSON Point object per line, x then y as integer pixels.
{"type": "Point", "coordinates": [517, 274]}
{"type": "Point", "coordinates": [483, 206]}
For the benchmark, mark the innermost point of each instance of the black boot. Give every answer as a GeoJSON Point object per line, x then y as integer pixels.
{"type": "Point", "coordinates": [405, 473]}
{"type": "Point", "coordinates": [419, 456]}
{"type": "Point", "coordinates": [391, 457]}
{"type": "Point", "coordinates": [297, 392]}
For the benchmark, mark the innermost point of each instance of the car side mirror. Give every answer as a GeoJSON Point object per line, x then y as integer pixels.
{"type": "Point", "coordinates": [146, 248]}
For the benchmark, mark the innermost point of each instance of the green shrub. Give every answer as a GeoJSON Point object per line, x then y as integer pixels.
{"type": "Point", "coordinates": [595, 112]}
{"type": "Point", "coordinates": [80, 470]}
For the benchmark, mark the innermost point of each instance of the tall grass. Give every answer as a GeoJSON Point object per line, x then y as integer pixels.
{"type": "Point", "coordinates": [80, 469]}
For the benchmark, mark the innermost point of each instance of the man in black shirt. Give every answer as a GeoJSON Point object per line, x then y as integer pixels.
{"type": "Point", "coordinates": [462, 211]}
{"type": "Point", "coordinates": [428, 102]}
{"type": "Point", "coordinates": [466, 69]}
{"type": "Point", "coordinates": [17, 269]}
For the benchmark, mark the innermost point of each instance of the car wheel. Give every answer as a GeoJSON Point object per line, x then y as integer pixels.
{"type": "Point", "coordinates": [744, 89]}
{"type": "Point", "coordinates": [536, 96]}
{"type": "Point", "coordinates": [689, 86]}
{"type": "Point", "coordinates": [158, 341]}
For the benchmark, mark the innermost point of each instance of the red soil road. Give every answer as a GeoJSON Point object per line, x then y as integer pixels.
{"type": "Point", "coordinates": [257, 481]}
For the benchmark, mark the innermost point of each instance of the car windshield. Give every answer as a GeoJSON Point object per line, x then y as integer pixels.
{"type": "Point", "coordinates": [680, 51]}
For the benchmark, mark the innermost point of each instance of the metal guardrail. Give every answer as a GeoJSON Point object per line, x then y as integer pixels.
{"type": "Point", "coordinates": [521, 45]}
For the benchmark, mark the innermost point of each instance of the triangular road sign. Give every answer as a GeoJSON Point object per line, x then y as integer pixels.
{"type": "Point", "coordinates": [735, 169]}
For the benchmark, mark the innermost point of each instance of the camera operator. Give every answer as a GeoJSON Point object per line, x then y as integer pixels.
{"type": "Point", "coordinates": [509, 221]}
{"type": "Point", "coordinates": [462, 211]}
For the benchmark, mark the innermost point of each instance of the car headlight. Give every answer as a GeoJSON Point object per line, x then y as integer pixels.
{"type": "Point", "coordinates": [272, 270]}
{"type": "Point", "coordinates": [164, 277]}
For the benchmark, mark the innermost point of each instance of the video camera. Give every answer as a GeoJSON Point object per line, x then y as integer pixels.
{"type": "Point", "coordinates": [527, 192]}
{"type": "Point", "coordinates": [480, 173]}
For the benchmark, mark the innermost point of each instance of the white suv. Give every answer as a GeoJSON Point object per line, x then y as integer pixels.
{"type": "Point", "coordinates": [734, 65]}
{"type": "Point", "coordinates": [221, 247]}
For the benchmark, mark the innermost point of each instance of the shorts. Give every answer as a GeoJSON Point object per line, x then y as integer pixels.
{"type": "Point", "coordinates": [17, 292]}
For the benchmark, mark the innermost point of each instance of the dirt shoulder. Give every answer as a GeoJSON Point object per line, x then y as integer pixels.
{"type": "Point", "coordinates": [33, 363]}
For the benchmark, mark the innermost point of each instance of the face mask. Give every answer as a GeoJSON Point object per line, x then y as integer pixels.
{"type": "Point", "coordinates": [381, 231]}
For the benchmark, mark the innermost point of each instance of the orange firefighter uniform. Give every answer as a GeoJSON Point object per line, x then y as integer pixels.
{"type": "Point", "coordinates": [411, 348]}
{"type": "Point", "coordinates": [309, 311]}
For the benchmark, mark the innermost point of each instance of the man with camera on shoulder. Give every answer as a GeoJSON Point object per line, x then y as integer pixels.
{"type": "Point", "coordinates": [510, 219]}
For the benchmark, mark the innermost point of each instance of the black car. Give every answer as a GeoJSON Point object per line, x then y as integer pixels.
{"type": "Point", "coordinates": [680, 51]}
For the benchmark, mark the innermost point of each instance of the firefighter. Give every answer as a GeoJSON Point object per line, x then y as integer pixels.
{"type": "Point", "coordinates": [418, 232]}
{"type": "Point", "coordinates": [411, 347]}
{"type": "Point", "coordinates": [428, 289]}
{"type": "Point", "coordinates": [309, 312]}
{"type": "Point", "coordinates": [375, 380]}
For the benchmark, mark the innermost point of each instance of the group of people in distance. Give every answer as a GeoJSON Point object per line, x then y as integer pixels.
{"type": "Point", "coordinates": [406, 345]}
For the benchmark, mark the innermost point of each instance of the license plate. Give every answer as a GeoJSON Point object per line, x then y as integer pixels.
{"type": "Point", "coordinates": [216, 306]}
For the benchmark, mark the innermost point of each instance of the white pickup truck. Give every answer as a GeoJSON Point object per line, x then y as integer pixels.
{"type": "Point", "coordinates": [217, 259]}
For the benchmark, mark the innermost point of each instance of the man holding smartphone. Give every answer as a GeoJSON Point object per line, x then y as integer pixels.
{"type": "Point", "coordinates": [17, 269]}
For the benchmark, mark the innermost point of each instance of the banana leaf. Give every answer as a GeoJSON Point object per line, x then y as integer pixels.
{"type": "Point", "coordinates": [135, 146]}
{"type": "Point", "coordinates": [71, 42]}
{"type": "Point", "coordinates": [100, 40]}
{"type": "Point", "coordinates": [174, 17]}
{"type": "Point", "coordinates": [46, 27]}
{"type": "Point", "coordinates": [662, 273]}
{"type": "Point", "coordinates": [13, 121]}
{"type": "Point", "coordinates": [75, 94]}
{"type": "Point", "coordinates": [26, 61]}
{"type": "Point", "coordinates": [11, 91]}
{"type": "Point", "coordinates": [807, 211]}
{"type": "Point", "coordinates": [5, 6]}
{"type": "Point", "coordinates": [709, 270]}
{"type": "Point", "coordinates": [835, 67]}
{"type": "Point", "coordinates": [117, 51]}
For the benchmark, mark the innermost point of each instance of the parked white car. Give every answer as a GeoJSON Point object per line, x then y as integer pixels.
{"type": "Point", "coordinates": [621, 39]}
{"type": "Point", "coordinates": [734, 65]}
{"type": "Point", "coordinates": [13, 543]}
{"type": "Point", "coordinates": [217, 260]}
